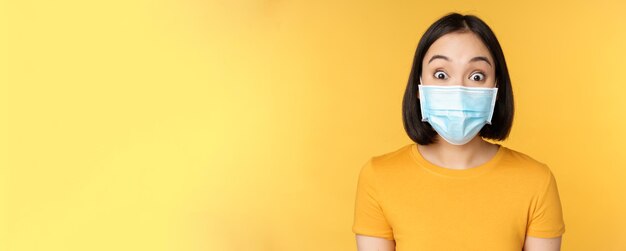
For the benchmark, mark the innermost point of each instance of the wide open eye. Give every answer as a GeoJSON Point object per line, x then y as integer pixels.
{"type": "Point", "coordinates": [440, 75]}
{"type": "Point", "coordinates": [477, 76]}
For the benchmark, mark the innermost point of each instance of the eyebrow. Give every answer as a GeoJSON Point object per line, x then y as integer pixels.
{"type": "Point", "coordinates": [475, 59]}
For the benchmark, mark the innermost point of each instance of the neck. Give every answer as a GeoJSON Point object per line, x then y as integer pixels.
{"type": "Point", "coordinates": [471, 154]}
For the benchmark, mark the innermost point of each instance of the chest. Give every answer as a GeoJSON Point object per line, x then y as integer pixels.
{"type": "Point", "coordinates": [441, 214]}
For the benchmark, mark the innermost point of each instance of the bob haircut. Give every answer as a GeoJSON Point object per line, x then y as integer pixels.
{"type": "Point", "coordinates": [502, 120]}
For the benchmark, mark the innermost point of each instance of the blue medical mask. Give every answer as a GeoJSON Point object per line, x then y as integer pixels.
{"type": "Point", "coordinates": [457, 113]}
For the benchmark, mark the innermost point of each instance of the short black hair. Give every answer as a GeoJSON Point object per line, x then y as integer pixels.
{"type": "Point", "coordinates": [502, 120]}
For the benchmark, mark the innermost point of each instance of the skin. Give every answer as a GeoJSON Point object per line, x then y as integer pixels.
{"type": "Point", "coordinates": [458, 58]}
{"type": "Point", "coordinates": [370, 243]}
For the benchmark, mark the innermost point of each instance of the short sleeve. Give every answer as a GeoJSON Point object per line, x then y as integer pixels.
{"type": "Point", "coordinates": [546, 220]}
{"type": "Point", "coordinates": [368, 215]}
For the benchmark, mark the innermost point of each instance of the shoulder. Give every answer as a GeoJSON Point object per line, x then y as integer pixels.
{"type": "Point", "coordinates": [520, 159]}
{"type": "Point", "coordinates": [388, 166]}
{"type": "Point", "coordinates": [524, 166]}
{"type": "Point", "coordinates": [391, 159]}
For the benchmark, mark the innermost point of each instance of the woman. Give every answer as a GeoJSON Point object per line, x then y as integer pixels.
{"type": "Point", "coordinates": [452, 190]}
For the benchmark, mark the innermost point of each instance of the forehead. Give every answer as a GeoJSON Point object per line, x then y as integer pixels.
{"type": "Point", "coordinates": [458, 46]}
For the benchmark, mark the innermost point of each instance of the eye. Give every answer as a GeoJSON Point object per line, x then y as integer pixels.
{"type": "Point", "coordinates": [440, 75]}
{"type": "Point", "coordinates": [477, 76]}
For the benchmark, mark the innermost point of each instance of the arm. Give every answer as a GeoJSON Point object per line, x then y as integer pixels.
{"type": "Point", "coordinates": [546, 220]}
{"type": "Point", "coordinates": [370, 243]}
{"type": "Point", "coordinates": [542, 244]}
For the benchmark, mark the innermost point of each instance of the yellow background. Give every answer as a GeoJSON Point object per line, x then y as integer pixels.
{"type": "Point", "coordinates": [241, 125]}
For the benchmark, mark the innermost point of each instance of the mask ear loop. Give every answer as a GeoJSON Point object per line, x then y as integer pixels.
{"type": "Point", "coordinates": [418, 92]}
{"type": "Point", "coordinates": [419, 97]}
{"type": "Point", "coordinates": [497, 88]}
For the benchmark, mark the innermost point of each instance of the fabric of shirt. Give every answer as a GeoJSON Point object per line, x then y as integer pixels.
{"type": "Point", "coordinates": [403, 197]}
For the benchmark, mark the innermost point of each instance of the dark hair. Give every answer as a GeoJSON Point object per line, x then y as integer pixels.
{"type": "Point", "coordinates": [502, 120]}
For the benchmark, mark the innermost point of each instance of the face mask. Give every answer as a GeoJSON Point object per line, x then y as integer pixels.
{"type": "Point", "coordinates": [457, 113]}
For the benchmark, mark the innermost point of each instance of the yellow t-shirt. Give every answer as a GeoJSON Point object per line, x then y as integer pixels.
{"type": "Point", "coordinates": [403, 197]}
